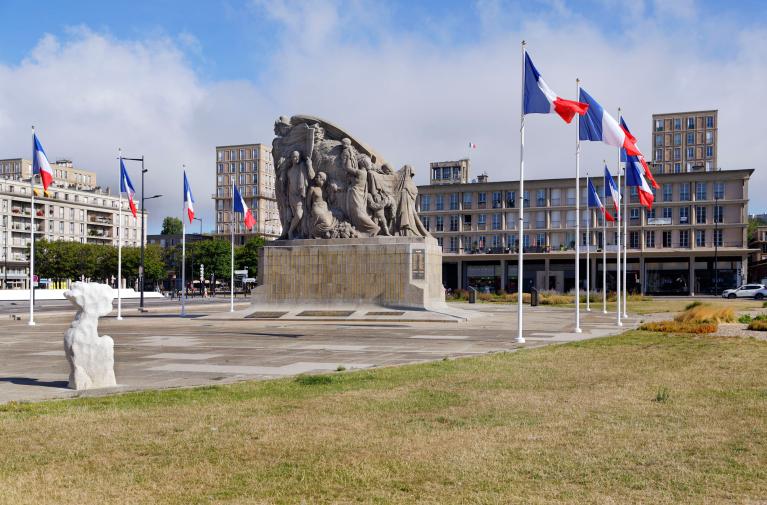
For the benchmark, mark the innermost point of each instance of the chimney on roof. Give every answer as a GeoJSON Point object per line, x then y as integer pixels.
{"type": "Point", "coordinates": [482, 177]}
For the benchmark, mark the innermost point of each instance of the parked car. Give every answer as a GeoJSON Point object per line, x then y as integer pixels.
{"type": "Point", "coordinates": [745, 291]}
{"type": "Point", "coordinates": [761, 294]}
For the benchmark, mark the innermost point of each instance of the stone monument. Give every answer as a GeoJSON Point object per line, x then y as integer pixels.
{"type": "Point", "coordinates": [90, 357]}
{"type": "Point", "coordinates": [350, 230]}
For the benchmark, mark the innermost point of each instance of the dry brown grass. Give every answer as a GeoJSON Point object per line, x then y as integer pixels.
{"type": "Point", "coordinates": [680, 327]}
{"type": "Point", "coordinates": [706, 313]}
{"type": "Point", "coordinates": [758, 325]}
{"type": "Point", "coordinates": [639, 418]}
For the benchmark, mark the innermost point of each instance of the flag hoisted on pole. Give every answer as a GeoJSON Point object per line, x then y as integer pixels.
{"type": "Point", "coordinates": [537, 98]}
{"type": "Point", "coordinates": [41, 167]}
{"type": "Point", "coordinates": [618, 252]}
{"type": "Point", "coordinates": [189, 210]}
{"type": "Point", "coordinates": [238, 205]}
{"type": "Point", "coordinates": [577, 217]}
{"type": "Point", "coordinates": [126, 186]}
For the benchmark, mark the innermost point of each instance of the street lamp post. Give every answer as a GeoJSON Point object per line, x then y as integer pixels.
{"type": "Point", "coordinates": [200, 220]}
{"type": "Point", "coordinates": [716, 244]}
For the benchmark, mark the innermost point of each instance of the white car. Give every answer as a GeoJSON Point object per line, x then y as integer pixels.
{"type": "Point", "coordinates": [761, 294]}
{"type": "Point", "coordinates": [745, 291]}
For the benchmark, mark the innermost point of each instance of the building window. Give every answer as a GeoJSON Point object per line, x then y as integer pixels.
{"type": "Point", "coordinates": [709, 151]}
{"type": "Point", "coordinates": [700, 238]}
{"type": "Point", "coordinates": [709, 137]}
{"type": "Point", "coordinates": [718, 190]}
{"type": "Point", "coordinates": [511, 197]}
{"type": "Point", "coordinates": [540, 198]}
{"type": "Point", "coordinates": [684, 192]}
{"type": "Point", "coordinates": [454, 220]}
{"type": "Point", "coordinates": [425, 203]}
{"type": "Point", "coordinates": [440, 223]}
{"type": "Point", "coordinates": [220, 155]}
{"type": "Point", "coordinates": [481, 200]}
{"type": "Point", "coordinates": [634, 240]}
{"type": "Point", "coordinates": [677, 123]}
{"type": "Point", "coordinates": [677, 139]}
{"type": "Point", "coordinates": [709, 121]}
{"type": "Point", "coordinates": [667, 211]}
{"type": "Point", "coordinates": [718, 238]}
{"type": "Point", "coordinates": [497, 199]}
{"type": "Point", "coordinates": [467, 200]}
{"type": "Point", "coordinates": [649, 238]}
{"type": "Point", "coordinates": [482, 221]}
{"type": "Point", "coordinates": [439, 201]}
{"type": "Point", "coordinates": [634, 213]}
{"type": "Point", "coordinates": [467, 221]}
{"type": "Point", "coordinates": [691, 123]}
{"type": "Point", "coordinates": [658, 155]}
{"type": "Point", "coordinates": [453, 201]}
{"type": "Point", "coordinates": [426, 223]}
{"type": "Point", "coordinates": [453, 244]}
{"type": "Point", "coordinates": [684, 238]}
{"type": "Point", "coordinates": [650, 213]}
{"type": "Point", "coordinates": [700, 190]}
{"type": "Point", "coordinates": [667, 192]}
{"type": "Point", "coordinates": [677, 153]}
{"type": "Point", "coordinates": [658, 125]}
{"type": "Point", "coordinates": [690, 153]}
{"type": "Point", "coordinates": [436, 174]}
{"type": "Point", "coordinates": [718, 214]}
{"type": "Point", "coordinates": [684, 215]}
{"type": "Point", "coordinates": [496, 223]}
{"type": "Point", "coordinates": [659, 141]}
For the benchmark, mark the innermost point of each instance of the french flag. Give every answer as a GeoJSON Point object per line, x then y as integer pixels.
{"type": "Point", "coordinates": [40, 164]}
{"type": "Point", "coordinates": [635, 177]}
{"type": "Point", "coordinates": [645, 166]}
{"type": "Point", "coordinates": [188, 199]}
{"type": "Point", "coordinates": [596, 203]}
{"type": "Point", "coordinates": [614, 192]}
{"type": "Point", "coordinates": [598, 124]}
{"type": "Point", "coordinates": [240, 206]}
{"type": "Point", "coordinates": [540, 99]}
{"type": "Point", "coordinates": [126, 186]}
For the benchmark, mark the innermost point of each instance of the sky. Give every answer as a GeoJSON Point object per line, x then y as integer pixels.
{"type": "Point", "coordinates": [416, 80]}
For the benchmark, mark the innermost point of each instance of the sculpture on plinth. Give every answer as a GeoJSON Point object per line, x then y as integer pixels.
{"type": "Point", "coordinates": [90, 356]}
{"type": "Point", "coordinates": [330, 185]}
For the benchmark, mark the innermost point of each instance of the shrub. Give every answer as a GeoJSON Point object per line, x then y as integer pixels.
{"type": "Point", "coordinates": [758, 325]}
{"type": "Point", "coordinates": [680, 327]}
{"type": "Point", "coordinates": [745, 319]}
{"type": "Point", "coordinates": [706, 313]}
{"type": "Point", "coordinates": [693, 305]}
{"type": "Point", "coordinates": [764, 305]}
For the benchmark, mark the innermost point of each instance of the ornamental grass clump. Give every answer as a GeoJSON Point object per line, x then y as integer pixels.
{"type": "Point", "coordinates": [681, 327]}
{"type": "Point", "coordinates": [706, 313]}
{"type": "Point", "coordinates": [758, 325]}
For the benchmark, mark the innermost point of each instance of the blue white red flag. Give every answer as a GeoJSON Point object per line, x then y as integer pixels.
{"type": "Point", "coordinates": [188, 199]}
{"type": "Point", "coordinates": [613, 188]}
{"type": "Point", "coordinates": [635, 177]}
{"type": "Point", "coordinates": [596, 203]}
{"type": "Point", "coordinates": [597, 124]}
{"type": "Point", "coordinates": [240, 206]}
{"type": "Point", "coordinates": [126, 186]}
{"type": "Point", "coordinates": [540, 99]}
{"type": "Point", "coordinates": [645, 166]}
{"type": "Point", "coordinates": [40, 164]}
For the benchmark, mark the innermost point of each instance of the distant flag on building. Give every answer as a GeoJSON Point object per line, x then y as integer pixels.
{"type": "Point", "coordinates": [596, 203]}
{"type": "Point", "coordinates": [472, 145]}
{"type": "Point", "coordinates": [635, 177]}
{"type": "Point", "coordinates": [188, 199]}
{"type": "Point", "coordinates": [640, 157]}
{"type": "Point", "coordinates": [598, 125]}
{"type": "Point", "coordinates": [126, 186]}
{"type": "Point", "coordinates": [40, 164]}
{"type": "Point", "coordinates": [240, 206]}
{"type": "Point", "coordinates": [610, 185]}
{"type": "Point", "coordinates": [540, 99]}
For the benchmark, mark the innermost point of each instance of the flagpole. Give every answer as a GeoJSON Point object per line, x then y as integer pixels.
{"type": "Point", "coordinates": [618, 252]}
{"type": "Point", "coordinates": [604, 245]}
{"type": "Point", "coordinates": [588, 250]}
{"type": "Point", "coordinates": [521, 199]}
{"type": "Point", "coordinates": [231, 279]}
{"type": "Point", "coordinates": [120, 240]}
{"type": "Point", "coordinates": [625, 239]}
{"type": "Point", "coordinates": [183, 250]}
{"type": "Point", "coordinates": [577, 214]}
{"type": "Point", "coordinates": [32, 235]}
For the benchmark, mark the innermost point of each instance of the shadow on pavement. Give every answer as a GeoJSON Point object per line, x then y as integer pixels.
{"type": "Point", "coordinates": [27, 381]}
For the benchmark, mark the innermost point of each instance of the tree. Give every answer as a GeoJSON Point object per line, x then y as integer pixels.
{"type": "Point", "coordinates": [214, 254]}
{"type": "Point", "coordinates": [246, 256]}
{"type": "Point", "coordinates": [171, 226]}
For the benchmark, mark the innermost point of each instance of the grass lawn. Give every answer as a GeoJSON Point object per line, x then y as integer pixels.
{"type": "Point", "coordinates": [637, 418]}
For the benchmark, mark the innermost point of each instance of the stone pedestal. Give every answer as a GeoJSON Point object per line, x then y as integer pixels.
{"type": "Point", "coordinates": [397, 272]}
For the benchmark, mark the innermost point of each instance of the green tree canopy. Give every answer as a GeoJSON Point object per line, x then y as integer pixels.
{"type": "Point", "coordinates": [246, 256]}
{"type": "Point", "coordinates": [171, 226]}
{"type": "Point", "coordinates": [214, 254]}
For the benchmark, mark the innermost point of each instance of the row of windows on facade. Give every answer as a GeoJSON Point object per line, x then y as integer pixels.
{"type": "Point", "coordinates": [240, 228]}
{"type": "Point", "coordinates": [15, 168]}
{"type": "Point", "coordinates": [707, 138]}
{"type": "Point", "coordinates": [667, 239]}
{"type": "Point", "coordinates": [496, 219]}
{"type": "Point", "coordinates": [690, 166]}
{"type": "Point", "coordinates": [74, 228]}
{"type": "Point", "coordinates": [497, 197]}
{"type": "Point", "coordinates": [59, 195]}
{"type": "Point", "coordinates": [226, 192]}
{"type": "Point", "coordinates": [24, 242]}
{"type": "Point", "coordinates": [253, 204]}
{"type": "Point", "coordinates": [241, 180]}
{"type": "Point", "coordinates": [243, 167]}
{"type": "Point", "coordinates": [237, 154]}
{"type": "Point", "coordinates": [690, 122]}
{"type": "Point", "coordinates": [68, 212]}
{"type": "Point", "coordinates": [676, 154]}
{"type": "Point", "coordinates": [446, 173]}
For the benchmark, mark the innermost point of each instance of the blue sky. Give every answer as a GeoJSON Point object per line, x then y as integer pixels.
{"type": "Point", "coordinates": [417, 80]}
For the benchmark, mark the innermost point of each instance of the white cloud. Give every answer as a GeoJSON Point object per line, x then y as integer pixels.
{"type": "Point", "coordinates": [415, 99]}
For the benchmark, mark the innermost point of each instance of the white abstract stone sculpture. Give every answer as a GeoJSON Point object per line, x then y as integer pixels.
{"type": "Point", "coordinates": [91, 357]}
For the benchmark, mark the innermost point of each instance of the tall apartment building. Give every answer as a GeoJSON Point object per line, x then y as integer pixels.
{"type": "Point", "coordinates": [63, 172]}
{"type": "Point", "coordinates": [67, 212]}
{"type": "Point", "coordinates": [758, 264]}
{"type": "Point", "coordinates": [449, 172]}
{"type": "Point", "coordinates": [250, 166]}
{"type": "Point", "coordinates": [697, 218]}
{"type": "Point", "coordinates": [685, 142]}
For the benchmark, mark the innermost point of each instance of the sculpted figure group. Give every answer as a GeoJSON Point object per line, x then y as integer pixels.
{"type": "Point", "coordinates": [329, 185]}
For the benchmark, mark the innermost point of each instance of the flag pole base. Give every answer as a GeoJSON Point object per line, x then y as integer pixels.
{"type": "Point", "coordinates": [578, 330]}
{"type": "Point", "coordinates": [119, 318]}
{"type": "Point", "coordinates": [520, 340]}
{"type": "Point", "coordinates": [31, 323]}
{"type": "Point", "coordinates": [620, 323]}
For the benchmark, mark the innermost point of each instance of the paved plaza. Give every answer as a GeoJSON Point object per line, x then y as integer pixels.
{"type": "Point", "coordinates": [160, 350]}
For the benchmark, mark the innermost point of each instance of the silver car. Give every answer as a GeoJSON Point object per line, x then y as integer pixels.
{"type": "Point", "coordinates": [745, 291]}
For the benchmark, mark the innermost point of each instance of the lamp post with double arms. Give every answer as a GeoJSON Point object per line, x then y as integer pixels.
{"type": "Point", "coordinates": [200, 220]}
